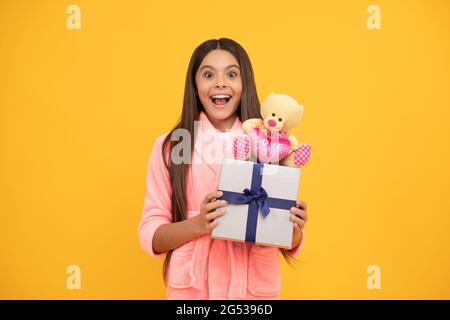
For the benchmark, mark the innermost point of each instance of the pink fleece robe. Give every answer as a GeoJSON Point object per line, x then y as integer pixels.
{"type": "Point", "coordinates": [206, 268]}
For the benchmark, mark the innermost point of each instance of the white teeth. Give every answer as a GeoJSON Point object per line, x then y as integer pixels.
{"type": "Point", "coordinates": [219, 96]}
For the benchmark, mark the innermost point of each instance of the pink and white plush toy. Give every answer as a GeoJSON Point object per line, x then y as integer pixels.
{"type": "Point", "coordinates": [268, 139]}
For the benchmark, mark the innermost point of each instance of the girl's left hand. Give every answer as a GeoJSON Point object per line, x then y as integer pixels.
{"type": "Point", "coordinates": [299, 217]}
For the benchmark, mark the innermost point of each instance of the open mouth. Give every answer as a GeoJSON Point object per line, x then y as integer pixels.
{"type": "Point", "coordinates": [220, 100]}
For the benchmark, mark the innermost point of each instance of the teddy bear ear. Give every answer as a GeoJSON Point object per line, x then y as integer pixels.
{"type": "Point", "coordinates": [268, 96]}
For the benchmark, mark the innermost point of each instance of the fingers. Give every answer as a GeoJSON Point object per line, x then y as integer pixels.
{"type": "Point", "coordinates": [299, 216]}
{"type": "Point", "coordinates": [297, 221]}
{"type": "Point", "coordinates": [208, 211]}
{"type": "Point", "coordinates": [215, 214]}
{"type": "Point", "coordinates": [214, 205]}
{"type": "Point", "coordinates": [211, 196]}
{"type": "Point", "coordinates": [301, 205]}
{"type": "Point", "coordinates": [300, 213]}
{"type": "Point", "coordinates": [212, 222]}
{"type": "Point", "coordinates": [212, 225]}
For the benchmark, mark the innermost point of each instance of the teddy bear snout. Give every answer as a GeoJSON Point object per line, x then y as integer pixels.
{"type": "Point", "coordinates": [272, 123]}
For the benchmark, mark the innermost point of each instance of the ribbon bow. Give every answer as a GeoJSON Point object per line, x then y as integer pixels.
{"type": "Point", "coordinates": [250, 195]}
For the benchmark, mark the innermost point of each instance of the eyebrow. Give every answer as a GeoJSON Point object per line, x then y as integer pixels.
{"type": "Point", "coordinates": [230, 66]}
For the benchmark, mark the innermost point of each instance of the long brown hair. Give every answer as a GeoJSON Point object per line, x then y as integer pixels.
{"type": "Point", "coordinates": [248, 108]}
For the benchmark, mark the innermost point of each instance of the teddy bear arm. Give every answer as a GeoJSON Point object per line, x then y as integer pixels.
{"type": "Point", "coordinates": [251, 124]}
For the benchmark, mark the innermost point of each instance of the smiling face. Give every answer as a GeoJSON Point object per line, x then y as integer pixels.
{"type": "Point", "coordinates": [219, 86]}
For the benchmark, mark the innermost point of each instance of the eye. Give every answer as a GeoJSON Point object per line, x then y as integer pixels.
{"type": "Point", "coordinates": [232, 74]}
{"type": "Point", "coordinates": [279, 119]}
{"type": "Point", "coordinates": [273, 114]}
{"type": "Point", "coordinates": [208, 75]}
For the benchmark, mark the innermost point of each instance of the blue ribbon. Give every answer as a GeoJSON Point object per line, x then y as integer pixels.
{"type": "Point", "coordinates": [257, 199]}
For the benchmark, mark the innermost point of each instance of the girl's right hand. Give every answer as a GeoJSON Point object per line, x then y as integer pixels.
{"type": "Point", "coordinates": [206, 221]}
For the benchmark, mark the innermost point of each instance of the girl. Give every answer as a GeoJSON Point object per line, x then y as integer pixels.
{"type": "Point", "coordinates": [181, 198]}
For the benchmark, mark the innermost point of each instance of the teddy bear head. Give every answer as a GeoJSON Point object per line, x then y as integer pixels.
{"type": "Point", "coordinates": [281, 112]}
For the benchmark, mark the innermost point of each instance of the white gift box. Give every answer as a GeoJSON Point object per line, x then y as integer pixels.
{"type": "Point", "coordinates": [279, 193]}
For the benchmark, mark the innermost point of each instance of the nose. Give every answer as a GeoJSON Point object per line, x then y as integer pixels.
{"type": "Point", "coordinates": [221, 82]}
{"type": "Point", "coordinates": [272, 123]}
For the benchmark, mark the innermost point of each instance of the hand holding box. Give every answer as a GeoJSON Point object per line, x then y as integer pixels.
{"type": "Point", "coordinates": [259, 200]}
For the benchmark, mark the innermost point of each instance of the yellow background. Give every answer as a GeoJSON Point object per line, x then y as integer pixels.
{"type": "Point", "coordinates": [80, 110]}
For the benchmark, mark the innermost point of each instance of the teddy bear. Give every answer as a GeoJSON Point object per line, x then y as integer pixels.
{"type": "Point", "coordinates": [268, 139]}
